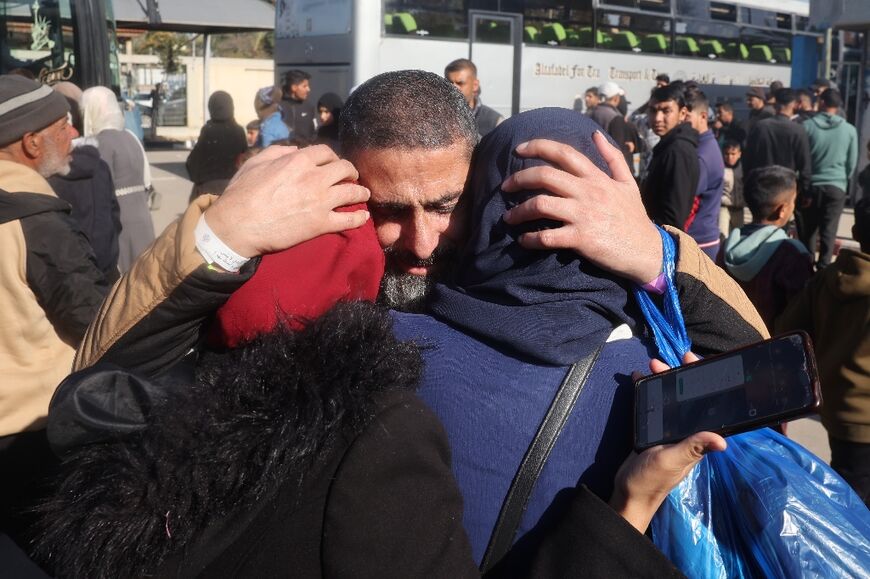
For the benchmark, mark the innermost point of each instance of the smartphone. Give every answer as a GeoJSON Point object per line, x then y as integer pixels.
{"type": "Point", "coordinates": [758, 385]}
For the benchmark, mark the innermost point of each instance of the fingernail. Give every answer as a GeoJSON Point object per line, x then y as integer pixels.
{"type": "Point", "coordinates": [522, 147]}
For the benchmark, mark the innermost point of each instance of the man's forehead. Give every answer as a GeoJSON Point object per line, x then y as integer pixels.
{"type": "Point", "coordinates": [415, 176]}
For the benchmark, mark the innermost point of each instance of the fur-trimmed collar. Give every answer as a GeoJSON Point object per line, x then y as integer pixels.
{"type": "Point", "coordinates": [255, 418]}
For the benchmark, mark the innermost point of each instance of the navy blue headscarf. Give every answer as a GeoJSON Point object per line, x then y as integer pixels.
{"type": "Point", "coordinates": [551, 306]}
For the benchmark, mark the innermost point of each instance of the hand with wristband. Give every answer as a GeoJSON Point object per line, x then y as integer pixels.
{"type": "Point", "coordinates": [279, 199]}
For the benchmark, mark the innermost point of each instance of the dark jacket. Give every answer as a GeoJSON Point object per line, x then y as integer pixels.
{"type": "Point", "coordinates": [780, 141]}
{"type": "Point", "coordinates": [299, 117]}
{"type": "Point", "coordinates": [89, 190]}
{"type": "Point", "coordinates": [755, 116]}
{"type": "Point", "coordinates": [617, 128]}
{"type": "Point", "coordinates": [486, 118]}
{"type": "Point", "coordinates": [672, 179]}
{"type": "Point", "coordinates": [333, 469]}
{"type": "Point", "coordinates": [60, 265]}
{"type": "Point", "coordinates": [835, 309]}
{"type": "Point", "coordinates": [221, 141]}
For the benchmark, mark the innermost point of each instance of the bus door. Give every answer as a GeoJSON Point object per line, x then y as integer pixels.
{"type": "Point", "coordinates": [495, 45]}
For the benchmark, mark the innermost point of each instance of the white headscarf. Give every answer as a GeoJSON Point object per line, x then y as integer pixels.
{"type": "Point", "coordinates": [101, 111]}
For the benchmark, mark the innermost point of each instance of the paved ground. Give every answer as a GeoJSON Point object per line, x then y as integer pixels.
{"type": "Point", "coordinates": [170, 179]}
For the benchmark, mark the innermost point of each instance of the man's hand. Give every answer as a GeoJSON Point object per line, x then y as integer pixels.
{"type": "Point", "coordinates": [285, 196]}
{"type": "Point", "coordinates": [644, 480]}
{"type": "Point", "coordinates": [603, 218]}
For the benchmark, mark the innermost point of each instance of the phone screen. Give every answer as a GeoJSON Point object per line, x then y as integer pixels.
{"type": "Point", "coordinates": [769, 379]}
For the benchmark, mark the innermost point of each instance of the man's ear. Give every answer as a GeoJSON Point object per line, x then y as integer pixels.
{"type": "Point", "coordinates": [31, 145]}
{"type": "Point", "coordinates": [476, 85]}
{"type": "Point", "coordinates": [684, 114]}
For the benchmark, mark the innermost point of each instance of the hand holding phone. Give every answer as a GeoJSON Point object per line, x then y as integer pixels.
{"type": "Point", "coordinates": [761, 384]}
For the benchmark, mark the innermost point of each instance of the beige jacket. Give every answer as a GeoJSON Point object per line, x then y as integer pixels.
{"type": "Point", "coordinates": [33, 357]}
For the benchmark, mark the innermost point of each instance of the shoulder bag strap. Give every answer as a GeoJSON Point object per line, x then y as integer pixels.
{"type": "Point", "coordinates": [533, 462]}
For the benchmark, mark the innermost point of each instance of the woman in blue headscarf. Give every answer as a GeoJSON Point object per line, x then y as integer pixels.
{"type": "Point", "coordinates": [508, 327]}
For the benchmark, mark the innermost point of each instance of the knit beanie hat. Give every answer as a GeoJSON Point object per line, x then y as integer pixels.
{"type": "Point", "coordinates": [26, 107]}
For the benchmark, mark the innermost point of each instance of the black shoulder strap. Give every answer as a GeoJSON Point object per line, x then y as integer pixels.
{"type": "Point", "coordinates": [533, 462]}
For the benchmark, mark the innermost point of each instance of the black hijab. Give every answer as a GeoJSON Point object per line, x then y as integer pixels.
{"type": "Point", "coordinates": [551, 306]}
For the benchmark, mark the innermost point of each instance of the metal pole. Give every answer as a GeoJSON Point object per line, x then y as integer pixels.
{"type": "Point", "coordinates": [206, 90]}
{"type": "Point", "coordinates": [827, 61]}
{"type": "Point", "coordinates": [518, 64]}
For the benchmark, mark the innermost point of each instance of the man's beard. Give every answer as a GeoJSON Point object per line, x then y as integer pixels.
{"type": "Point", "coordinates": [410, 293]}
{"type": "Point", "coordinates": [54, 163]}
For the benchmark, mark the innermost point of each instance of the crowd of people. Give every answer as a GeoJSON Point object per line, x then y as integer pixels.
{"type": "Point", "coordinates": [338, 360]}
{"type": "Point", "coordinates": [790, 163]}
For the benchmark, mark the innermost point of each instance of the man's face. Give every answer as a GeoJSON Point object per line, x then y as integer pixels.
{"type": "Point", "coordinates": [413, 196]}
{"type": "Point", "coordinates": [755, 103]}
{"type": "Point", "coordinates": [591, 100]}
{"type": "Point", "coordinates": [664, 116]}
{"type": "Point", "coordinates": [724, 115]}
{"type": "Point", "coordinates": [56, 146]}
{"type": "Point", "coordinates": [731, 155]}
{"type": "Point", "coordinates": [466, 82]}
{"type": "Point", "coordinates": [300, 90]}
{"type": "Point", "coordinates": [698, 119]}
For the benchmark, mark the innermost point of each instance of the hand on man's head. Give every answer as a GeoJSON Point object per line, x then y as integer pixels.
{"type": "Point", "coordinates": [285, 196]}
{"type": "Point", "coordinates": [603, 218]}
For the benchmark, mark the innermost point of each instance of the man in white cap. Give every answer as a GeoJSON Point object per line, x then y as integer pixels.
{"type": "Point", "coordinates": [611, 120]}
{"type": "Point", "coordinates": [50, 285]}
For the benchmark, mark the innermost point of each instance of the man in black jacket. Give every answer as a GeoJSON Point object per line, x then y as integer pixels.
{"type": "Point", "coordinates": [298, 112]}
{"type": "Point", "coordinates": [462, 73]}
{"type": "Point", "coordinates": [672, 180]}
{"type": "Point", "coordinates": [759, 110]}
{"type": "Point", "coordinates": [780, 141]}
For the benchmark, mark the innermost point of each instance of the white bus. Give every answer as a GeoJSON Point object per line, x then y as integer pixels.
{"type": "Point", "coordinates": [534, 53]}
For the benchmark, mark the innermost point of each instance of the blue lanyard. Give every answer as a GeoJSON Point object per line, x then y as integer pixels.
{"type": "Point", "coordinates": [669, 328]}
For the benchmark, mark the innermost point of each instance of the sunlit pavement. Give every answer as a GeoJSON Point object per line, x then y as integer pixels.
{"type": "Point", "coordinates": [170, 179]}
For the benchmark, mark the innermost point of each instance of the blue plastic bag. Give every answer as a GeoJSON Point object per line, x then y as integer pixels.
{"type": "Point", "coordinates": [765, 507]}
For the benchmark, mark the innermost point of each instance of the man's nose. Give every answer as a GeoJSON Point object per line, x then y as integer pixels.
{"type": "Point", "coordinates": [422, 236]}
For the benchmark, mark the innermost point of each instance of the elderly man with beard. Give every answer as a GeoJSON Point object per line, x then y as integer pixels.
{"type": "Point", "coordinates": [50, 284]}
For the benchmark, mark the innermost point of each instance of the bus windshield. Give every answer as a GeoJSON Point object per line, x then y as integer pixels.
{"type": "Point", "coordinates": [54, 40]}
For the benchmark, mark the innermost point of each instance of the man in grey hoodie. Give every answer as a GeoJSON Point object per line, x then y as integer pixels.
{"type": "Point", "coordinates": [834, 151]}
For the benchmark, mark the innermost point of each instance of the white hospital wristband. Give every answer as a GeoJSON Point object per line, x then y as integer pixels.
{"type": "Point", "coordinates": [213, 250]}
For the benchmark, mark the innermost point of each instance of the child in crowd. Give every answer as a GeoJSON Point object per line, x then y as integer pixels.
{"type": "Point", "coordinates": [835, 309]}
{"type": "Point", "coordinates": [731, 213]}
{"type": "Point", "coordinates": [273, 131]}
{"type": "Point", "coordinates": [253, 132]}
{"type": "Point", "coordinates": [769, 266]}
